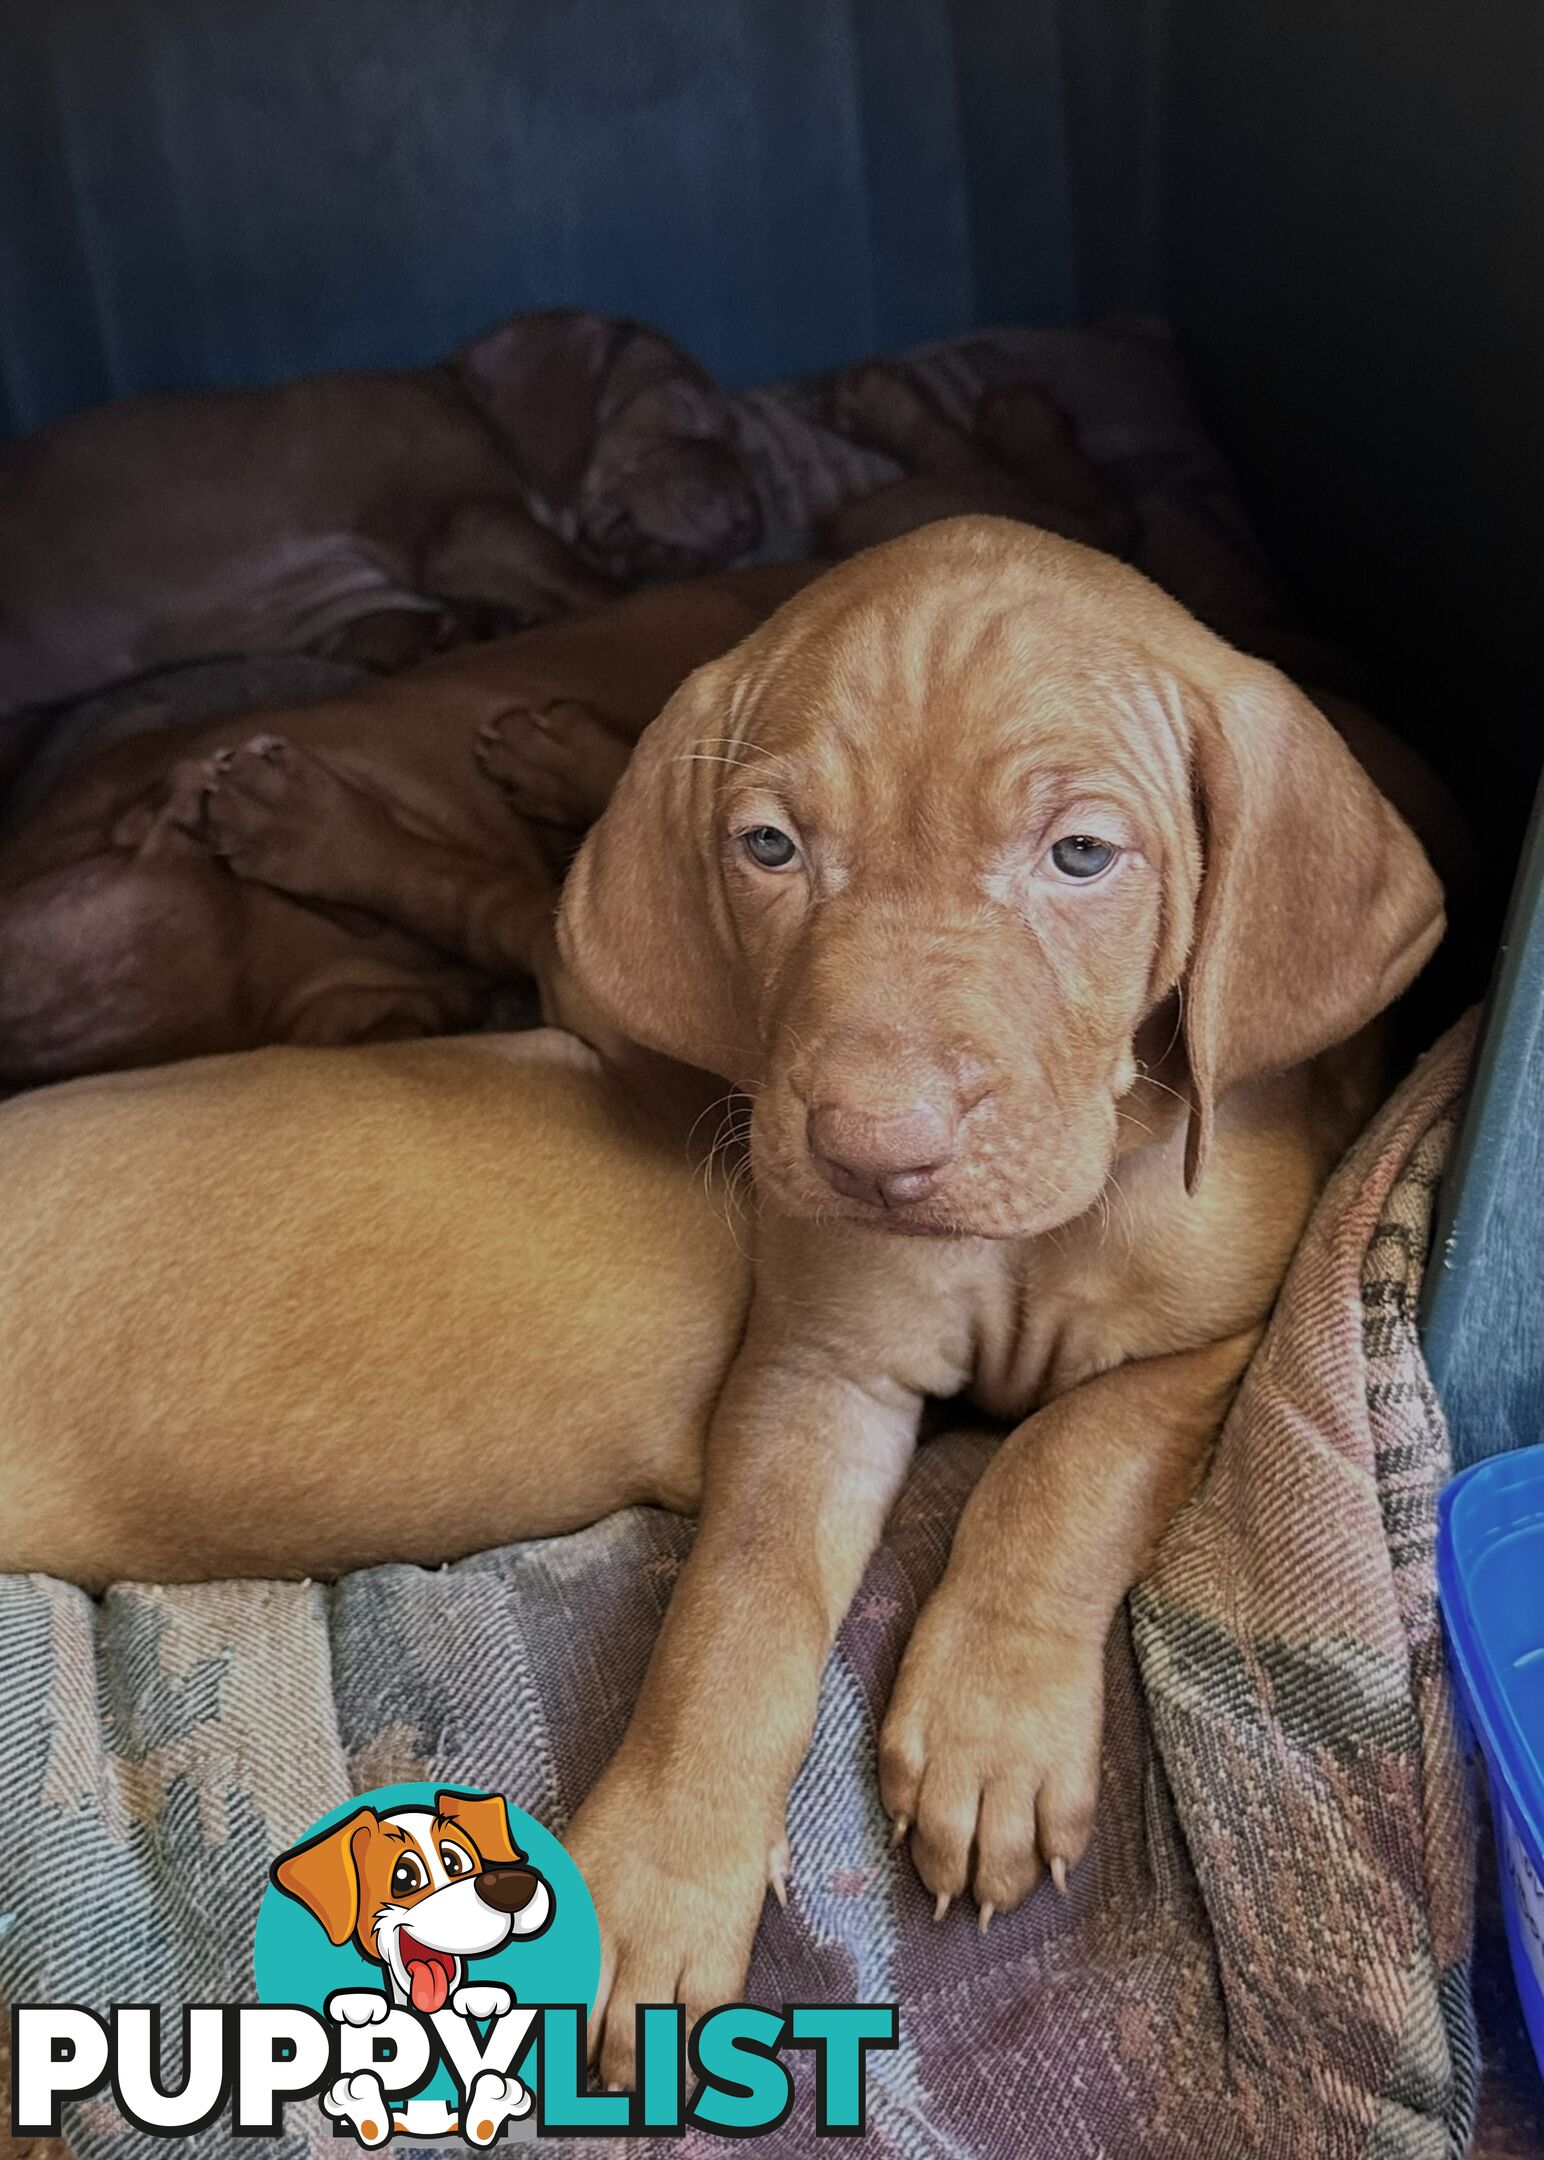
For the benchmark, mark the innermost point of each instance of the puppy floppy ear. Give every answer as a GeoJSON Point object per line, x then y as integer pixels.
{"type": "Point", "coordinates": [1317, 906]}
{"type": "Point", "coordinates": [485, 1819]}
{"type": "Point", "coordinates": [644, 928]}
{"type": "Point", "coordinates": [323, 1874]}
{"type": "Point", "coordinates": [536, 381]}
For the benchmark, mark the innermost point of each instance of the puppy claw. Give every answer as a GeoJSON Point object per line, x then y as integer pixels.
{"type": "Point", "coordinates": [941, 1907]}
{"type": "Point", "coordinates": [1059, 1874]}
{"type": "Point", "coordinates": [780, 1888]}
{"type": "Point", "coordinates": [898, 1831]}
{"type": "Point", "coordinates": [985, 1919]}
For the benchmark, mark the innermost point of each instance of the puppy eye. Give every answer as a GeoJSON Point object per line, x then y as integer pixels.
{"type": "Point", "coordinates": [456, 1861]}
{"type": "Point", "coordinates": [1081, 856]}
{"type": "Point", "coordinates": [407, 1876]}
{"type": "Point", "coordinates": [771, 849]}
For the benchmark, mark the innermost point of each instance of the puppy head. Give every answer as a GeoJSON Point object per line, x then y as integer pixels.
{"type": "Point", "coordinates": [622, 430]}
{"type": "Point", "coordinates": [537, 379]}
{"type": "Point", "coordinates": [665, 493]}
{"type": "Point", "coordinates": [917, 863]}
{"type": "Point", "coordinates": [666, 506]}
{"type": "Point", "coordinates": [420, 1890]}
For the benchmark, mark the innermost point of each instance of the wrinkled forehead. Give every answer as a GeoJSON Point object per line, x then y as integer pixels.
{"type": "Point", "coordinates": [985, 714]}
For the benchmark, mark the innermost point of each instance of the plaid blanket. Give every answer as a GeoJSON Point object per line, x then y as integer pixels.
{"type": "Point", "coordinates": [1266, 1952]}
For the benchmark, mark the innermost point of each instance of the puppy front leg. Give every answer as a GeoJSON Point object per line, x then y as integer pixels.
{"type": "Point", "coordinates": [685, 1831]}
{"type": "Point", "coordinates": [990, 1750]}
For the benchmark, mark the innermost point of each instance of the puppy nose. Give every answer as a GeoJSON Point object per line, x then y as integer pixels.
{"type": "Point", "coordinates": [507, 1889]}
{"type": "Point", "coordinates": [884, 1160]}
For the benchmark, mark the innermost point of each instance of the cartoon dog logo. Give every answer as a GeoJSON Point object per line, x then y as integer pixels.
{"type": "Point", "coordinates": [419, 1891]}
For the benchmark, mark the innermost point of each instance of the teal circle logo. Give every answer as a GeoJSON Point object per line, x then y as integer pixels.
{"type": "Point", "coordinates": [439, 1901]}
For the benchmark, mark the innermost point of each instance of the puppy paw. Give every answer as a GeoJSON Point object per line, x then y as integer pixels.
{"type": "Point", "coordinates": [557, 762]}
{"type": "Point", "coordinates": [483, 1999]}
{"type": "Point", "coordinates": [360, 2101]}
{"type": "Point", "coordinates": [678, 1902]}
{"type": "Point", "coordinates": [492, 2102]}
{"type": "Point", "coordinates": [358, 2006]}
{"type": "Point", "coordinates": [276, 815]}
{"type": "Point", "coordinates": [989, 1756]}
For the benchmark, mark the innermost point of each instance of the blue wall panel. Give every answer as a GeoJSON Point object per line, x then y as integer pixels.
{"type": "Point", "coordinates": [231, 191]}
{"type": "Point", "coordinates": [224, 191]}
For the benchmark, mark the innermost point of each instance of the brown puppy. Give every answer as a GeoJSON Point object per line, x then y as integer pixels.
{"type": "Point", "coordinates": [351, 872]}
{"type": "Point", "coordinates": [301, 1311]}
{"type": "Point", "coordinates": [346, 513]}
{"type": "Point", "coordinates": [1036, 925]}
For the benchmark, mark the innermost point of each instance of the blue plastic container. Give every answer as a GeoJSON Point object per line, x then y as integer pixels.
{"type": "Point", "coordinates": [1490, 1578]}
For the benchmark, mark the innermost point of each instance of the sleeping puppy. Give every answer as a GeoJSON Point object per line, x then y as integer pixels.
{"type": "Point", "coordinates": [362, 515]}
{"type": "Point", "coordinates": [1041, 932]}
{"type": "Point", "coordinates": [1037, 934]}
{"type": "Point", "coordinates": [345, 871]}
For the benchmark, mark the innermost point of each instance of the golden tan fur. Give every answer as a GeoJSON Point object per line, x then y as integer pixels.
{"type": "Point", "coordinates": [300, 1310]}
{"type": "Point", "coordinates": [1099, 1108]}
